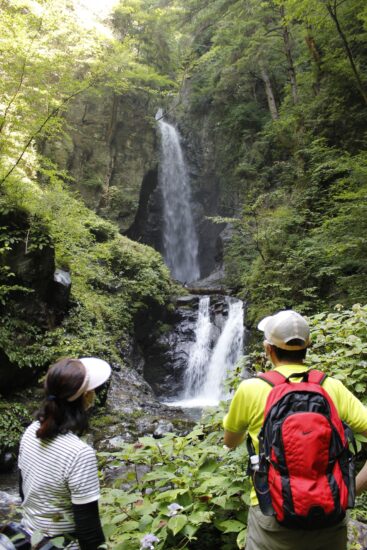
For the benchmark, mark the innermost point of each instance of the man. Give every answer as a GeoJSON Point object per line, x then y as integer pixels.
{"type": "Point", "coordinates": [287, 336]}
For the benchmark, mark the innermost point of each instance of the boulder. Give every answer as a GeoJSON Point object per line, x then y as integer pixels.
{"type": "Point", "coordinates": [58, 294]}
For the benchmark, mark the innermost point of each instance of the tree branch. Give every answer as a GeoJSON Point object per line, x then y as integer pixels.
{"type": "Point", "coordinates": [53, 114]}
{"type": "Point", "coordinates": [21, 80]}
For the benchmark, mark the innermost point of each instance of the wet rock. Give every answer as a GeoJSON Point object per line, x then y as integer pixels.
{"type": "Point", "coordinates": [189, 300]}
{"type": "Point", "coordinates": [7, 461]}
{"type": "Point", "coordinates": [163, 428]}
{"type": "Point", "coordinates": [113, 473]}
{"type": "Point", "coordinates": [357, 535]}
{"type": "Point", "coordinates": [9, 506]}
{"type": "Point", "coordinates": [132, 411]}
{"type": "Point", "coordinates": [59, 293]}
{"type": "Point", "coordinates": [115, 443]}
{"type": "Point", "coordinates": [148, 222]}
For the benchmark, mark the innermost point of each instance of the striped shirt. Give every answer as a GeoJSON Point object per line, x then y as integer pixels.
{"type": "Point", "coordinates": [56, 473]}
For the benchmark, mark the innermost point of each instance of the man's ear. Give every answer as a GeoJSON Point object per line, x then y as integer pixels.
{"type": "Point", "coordinates": [268, 348]}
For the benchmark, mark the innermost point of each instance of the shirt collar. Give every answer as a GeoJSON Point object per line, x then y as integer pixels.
{"type": "Point", "coordinates": [286, 370]}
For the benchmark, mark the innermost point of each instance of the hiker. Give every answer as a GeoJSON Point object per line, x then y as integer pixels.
{"type": "Point", "coordinates": [287, 518]}
{"type": "Point", "coordinates": [59, 483]}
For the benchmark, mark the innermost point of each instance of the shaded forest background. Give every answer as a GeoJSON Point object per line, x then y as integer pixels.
{"type": "Point", "coordinates": [281, 88]}
{"type": "Point", "coordinates": [284, 86]}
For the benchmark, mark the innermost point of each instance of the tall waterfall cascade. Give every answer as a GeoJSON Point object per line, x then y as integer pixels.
{"type": "Point", "coordinates": [207, 368]}
{"type": "Point", "coordinates": [180, 241]}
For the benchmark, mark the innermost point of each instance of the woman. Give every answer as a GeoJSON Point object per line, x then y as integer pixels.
{"type": "Point", "coordinates": [58, 471]}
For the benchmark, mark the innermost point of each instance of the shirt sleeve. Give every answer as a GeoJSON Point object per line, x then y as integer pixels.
{"type": "Point", "coordinates": [83, 480]}
{"type": "Point", "coordinates": [236, 420]}
{"type": "Point", "coordinates": [88, 526]}
{"type": "Point", "coordinates": [352, 411]}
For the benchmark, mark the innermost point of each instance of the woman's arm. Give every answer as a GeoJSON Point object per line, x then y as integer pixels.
{"type": "Point", "coordinates": [20, 480]}
{"type": "Point", "coordinates": [88, 525]}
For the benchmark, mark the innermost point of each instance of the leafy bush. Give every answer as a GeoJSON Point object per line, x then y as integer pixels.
{"type": "Point", "coordinates": [339, 346]}
{"type": "Point", "coordinates": [13, 418]}
{"type": "Point", "coordinates": [193, 492]}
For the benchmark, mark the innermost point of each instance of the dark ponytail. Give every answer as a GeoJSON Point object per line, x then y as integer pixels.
{"type": "Point", "coordinates": [58, 415]}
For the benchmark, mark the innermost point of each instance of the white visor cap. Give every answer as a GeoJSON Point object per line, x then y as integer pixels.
{"type": "Point", "coordinates": [97, 371]}
{"type": "Point", "coordinates": [283, 327]}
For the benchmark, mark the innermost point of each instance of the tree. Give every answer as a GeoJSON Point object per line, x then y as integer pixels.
{"type": "Point", "coordinates": [49, 59]}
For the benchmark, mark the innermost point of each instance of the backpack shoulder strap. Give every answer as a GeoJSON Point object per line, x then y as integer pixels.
{"type": "Point", "coordinates": [316, 376]}
{"type": "Point", "coordinates": [272, 377]}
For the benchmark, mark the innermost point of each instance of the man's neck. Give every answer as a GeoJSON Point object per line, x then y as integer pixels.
{"type": "Point", "coordinates": [277, 363]}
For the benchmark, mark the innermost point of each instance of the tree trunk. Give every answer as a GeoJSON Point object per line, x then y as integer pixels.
{"type": "Point", "coordinates": [269, 94]}
{"type": "Point", "coordinates": [332, 10]}
{"type": "Point", "coordinates": [289, 56]}
{"type": "Point", "coordinates": [316, 57]}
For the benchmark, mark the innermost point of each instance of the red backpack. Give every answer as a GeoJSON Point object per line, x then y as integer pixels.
{"type": "Point", "coordinates": [304, 473]}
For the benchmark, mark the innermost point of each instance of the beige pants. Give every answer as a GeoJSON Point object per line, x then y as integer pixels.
{"type": "Point", "coordinates": [265, 533]}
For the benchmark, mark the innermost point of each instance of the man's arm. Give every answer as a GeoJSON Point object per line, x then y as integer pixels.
{"type": "Point", "coordinates": [232, 440]}
{"type": "Point", "coordinates": [361, 479]}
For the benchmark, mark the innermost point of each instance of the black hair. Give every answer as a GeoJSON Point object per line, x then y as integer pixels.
{"type": "Point", "coordinates": [58, 415]}
{"type": "Point", "coordinates": [297, 355]}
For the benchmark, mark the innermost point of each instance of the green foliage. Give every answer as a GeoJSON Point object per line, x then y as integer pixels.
{"type": "Point", "coordinates": [111, 281]}
{"type": "Point", "coordinates": [339, 346]}
{"type": "Point", "coordinates": [188, 491]}
{"type": "Point", "coordinates": [13, 418]}
{"type": "Point", "coordinates": [49, 57]}
{"type": "Point", "coordinates": [292, 173]}
{"type": "Point", "coordinates": [302, 245]}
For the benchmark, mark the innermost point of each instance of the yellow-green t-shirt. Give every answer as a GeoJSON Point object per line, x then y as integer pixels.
{"type": "Point", "coordinates": [246, 411]}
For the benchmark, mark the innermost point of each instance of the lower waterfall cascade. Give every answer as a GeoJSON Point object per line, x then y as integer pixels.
{"type": "Point", "coordinates": [208, 365]}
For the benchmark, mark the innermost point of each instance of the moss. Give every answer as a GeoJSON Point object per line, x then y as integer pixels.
{"type": "Point", "coordinates": [164, 328]}
{"type": "Point", "coordinates": [113, 279]}
{"type": "Point", "coordinates": [103, 421]}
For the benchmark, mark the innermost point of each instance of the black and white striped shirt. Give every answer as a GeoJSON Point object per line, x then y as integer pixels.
{"type": "Point", "coordinates": [56, 473]}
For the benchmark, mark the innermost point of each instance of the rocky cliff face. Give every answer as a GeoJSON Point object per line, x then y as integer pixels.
{"type": "Point", "coordinates": [39, 297]}
{"type": "Point", "coordinates": [108, 148]}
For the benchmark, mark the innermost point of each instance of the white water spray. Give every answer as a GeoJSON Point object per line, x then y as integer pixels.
{"type": "Point", "coordinates": [180, 241]}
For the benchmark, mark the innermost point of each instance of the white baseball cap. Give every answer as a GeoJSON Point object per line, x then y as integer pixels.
{"type": "Point", "coordinates": [285, 326]}
{"type": "Point", "coordinates": [97, 371]}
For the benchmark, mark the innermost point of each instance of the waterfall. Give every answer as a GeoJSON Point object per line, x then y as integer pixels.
{"type": "Point", "coordinates": [206, 369]}
{"type": "Point", "coordinates": [200, 352]}
{"type": "Point", "coordinates": [226, 353]}
{"type": "Point", "coordinates": [180, 241]}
